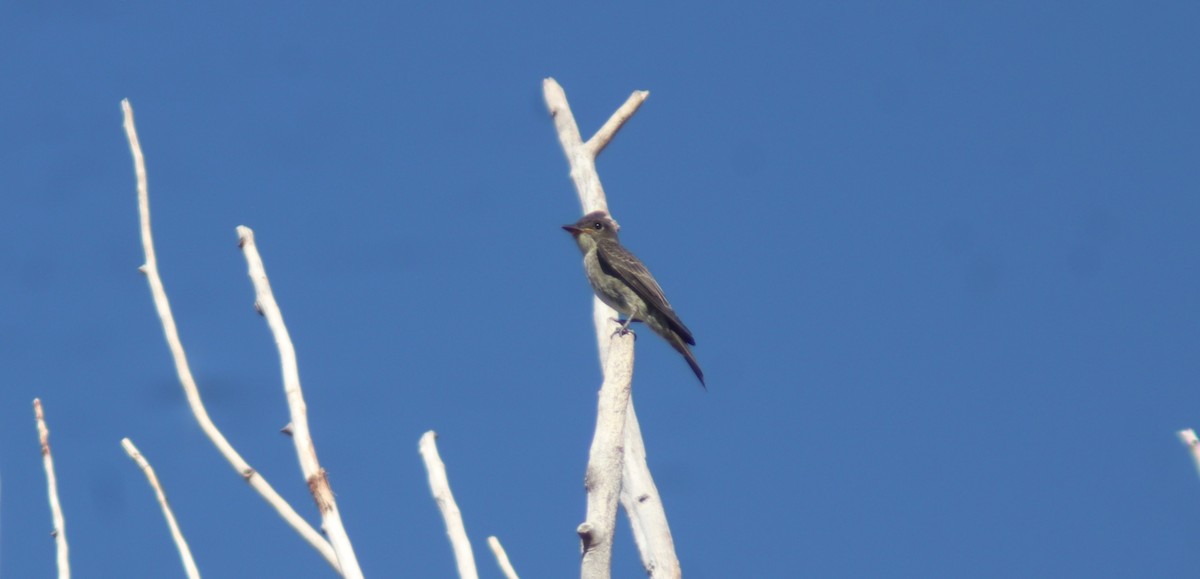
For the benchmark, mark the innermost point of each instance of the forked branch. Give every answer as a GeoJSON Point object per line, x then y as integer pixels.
{"type": "Point", "coordinates": [192, 392]}
{"type": "Point", "coordinates": [318, 480]}
{"type": "Point", "coordinates": [616, 462]}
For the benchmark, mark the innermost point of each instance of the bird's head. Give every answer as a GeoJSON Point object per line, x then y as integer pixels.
{"type": "Point", "coordinates": [593, 226]}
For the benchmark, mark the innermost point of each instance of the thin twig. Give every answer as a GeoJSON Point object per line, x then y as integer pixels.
{"type": "Point", "coordinates": [56, 513]}
{"type": "Point", "coordinates": [318, 479]}
{"type": "Point", "coordinates": [189, 564]}
{"type": "Point", "coordinates": [439, 485]}
{"type": "Point", "coordinates": [502, 558]}
{"type": "Point", "coordinates": [150, 268]}
{"type": "Point", "coordinates": [653, 536]}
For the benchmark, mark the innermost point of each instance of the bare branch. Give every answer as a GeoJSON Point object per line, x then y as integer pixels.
{"type": "Point", "coordinates": [502, 558]}
{"type": "Point", "coordinates": [439, 485]}
{"type": "Point", "coordinates": [56, 513]}
{"type": "Point", "coordinates": [581, 158]}
{"type": "Point", "coordinates": [605, 463]}
{"type": "Point", "coordinates": [600, 140]}
{"type": "Point", "coordinates": [318, 480]}
{"type": "Point", "coordinates": [644, 507]}
{"type": "Point", "coordinates": [658, 551]}
{"type": "Point", "coordinates": [150, 269]}
{"type": "Point", "coordinates": [189, 564]}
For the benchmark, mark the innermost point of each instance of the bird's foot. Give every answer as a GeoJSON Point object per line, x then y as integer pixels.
{"type": "Point", "coordinates": [623, 329]}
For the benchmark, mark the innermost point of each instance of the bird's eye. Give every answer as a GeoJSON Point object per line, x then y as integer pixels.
{"type": "Point", "coordinates": [597, 225]}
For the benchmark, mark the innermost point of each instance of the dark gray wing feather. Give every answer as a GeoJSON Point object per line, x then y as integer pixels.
{"type": "Point", "coordinates": [618, 262]}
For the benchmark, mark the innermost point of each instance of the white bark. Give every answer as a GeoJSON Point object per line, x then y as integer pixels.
{"type": "Point", "coordinates": [605, 463]}
{"type": "Point", "coordinates": [439, 485]}
{"type": "Point", "coordinates": [314, 475]}
{"type": "Point", "coordinates": [602, 137]}
{"type": "Point", "coordinates": [644, 507]}
{"type": "Point", "coordinates": [56, 513]}
{"type": "Point", "coordinates": [646, 512]}
{"type": "Point", "coordinates": [150, 269]}
{"type": "Point", "coordinates": [185, 554]}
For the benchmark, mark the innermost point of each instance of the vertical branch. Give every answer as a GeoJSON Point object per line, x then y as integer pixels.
{"type": "Point", "coordinates": [580, 157]}
{"type": "Point", "coordinates": [163, 306]}
{"type": "Point", "coordinates": [439, 485]}
{"type": "Point", "coordinates": [582, 160]}
{"type": "Point", "coordinates": [616, 355]}
{"type": "Point", "coordinates": [502, 558]}
{"type": "Point", "coordinates": [189, 564]}
{"type": "Point", "coordinates": [605, 463]}
{"type": "Point", "coordinates": [60, 530]}
{"type": "Point", "coordinates": [643, 505]}
{"type": "Point", "coordinates": [318, 480]}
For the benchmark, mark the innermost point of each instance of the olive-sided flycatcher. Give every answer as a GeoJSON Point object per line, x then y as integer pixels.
{"type": "Point", "coordinates": [621, 281]}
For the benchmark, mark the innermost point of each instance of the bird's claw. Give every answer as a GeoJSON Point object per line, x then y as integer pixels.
{"type": "Point", "coordinates": [621, 331]}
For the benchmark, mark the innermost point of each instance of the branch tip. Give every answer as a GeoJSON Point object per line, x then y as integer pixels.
{"type": "Point", "coordinates": [502, 558]}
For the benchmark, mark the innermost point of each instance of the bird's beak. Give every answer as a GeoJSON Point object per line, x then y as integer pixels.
{"type": "Point", "coordinates": [574, 231]}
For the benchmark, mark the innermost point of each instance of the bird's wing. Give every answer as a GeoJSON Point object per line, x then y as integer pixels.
{"type": "Point", "coordinates": [618, 262]}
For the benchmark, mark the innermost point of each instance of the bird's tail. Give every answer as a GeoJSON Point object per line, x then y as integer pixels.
{"type": "Point", "coordinates": [677, 341]}
{"type": "Point", "coordinates": [680, 346]}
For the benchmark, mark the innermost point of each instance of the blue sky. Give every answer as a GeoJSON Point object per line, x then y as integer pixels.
{"type": "Point", "coordinates": [939, 259]}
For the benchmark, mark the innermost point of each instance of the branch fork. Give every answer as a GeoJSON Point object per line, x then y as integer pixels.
{"type": "Point", "coordinates": [617, 469]}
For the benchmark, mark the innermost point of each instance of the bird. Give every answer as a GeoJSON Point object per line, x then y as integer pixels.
{"type": "Point", "coordinates": [620, 280]}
